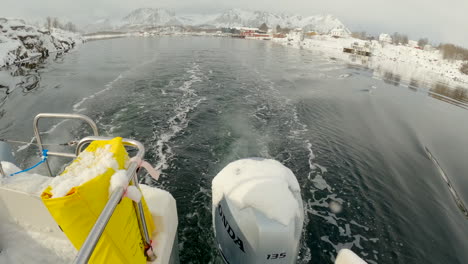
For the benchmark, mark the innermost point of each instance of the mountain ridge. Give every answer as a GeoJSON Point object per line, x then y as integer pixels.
{"type": "Point", "coordinates": [141, 18]}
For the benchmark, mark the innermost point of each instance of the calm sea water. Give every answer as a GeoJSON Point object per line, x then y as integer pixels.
{"type": "Point", "coordinates": [392, 154]}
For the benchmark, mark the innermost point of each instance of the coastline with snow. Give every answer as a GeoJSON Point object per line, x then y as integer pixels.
{"type": "Point", "coordinates": [408, 63]}
{"type": "Point", "coordinates": [330, 36]}
{"type": "Point", "coordinates": [20, 42]}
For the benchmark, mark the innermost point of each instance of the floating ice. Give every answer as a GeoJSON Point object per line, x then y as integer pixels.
{"type": "Point", "coordinates": [335, 207]}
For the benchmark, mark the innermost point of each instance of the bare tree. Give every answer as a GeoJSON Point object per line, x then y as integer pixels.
{"type": "Point", "coordinates": [49, 22]}
{"type": "Point", "coordinates": [70, 27]}
{"type": "Point", "coordinates": [285, 30]}
{"type": "Point", "coordinates": [404, 39]}
{"type": "Point", "coordinates": [464, 68]}
{"type": "Point", "coordinates": [359, 35]}
{"type": "Point", "coordinates": [278, 29]}
{"type": "Point", "coordinates": [263, 27]}
{"type": "Point", "coordinates": [399, 38]}
{"type": "Point", "coordinates": [423, 42]}
{"type": "Point", "coordinates": [56, 23]}
{"type": "Point", "coordinates": [452, 52]}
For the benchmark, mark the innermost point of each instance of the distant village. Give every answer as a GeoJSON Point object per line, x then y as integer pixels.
{"type": "Point", "coordinates": [262, 33]}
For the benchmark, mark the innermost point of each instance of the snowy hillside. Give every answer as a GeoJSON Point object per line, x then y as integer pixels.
{"type": "Point", "coordinates": [239, 18]}
{"type": "Point", "coordinates": [21, 42]}
{"type": "Point", "coordinates": [149, 17]}
{"type": "Point", "coordinates": [405, 62]}
{"type": "Point", "coordinates": [100, 25]}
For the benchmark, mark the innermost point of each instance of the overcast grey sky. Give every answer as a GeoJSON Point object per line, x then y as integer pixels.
{"type": "Point", "coordinates": [441, 21]}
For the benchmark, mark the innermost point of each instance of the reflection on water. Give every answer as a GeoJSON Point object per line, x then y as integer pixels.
{"type": "Point", "coordinates": [439, 90]}
{"type": "Point", "coordinates": [359, 59]}
{"type": "Point", "coordinates": [414, 84]}
{"type": "Point", "coordinates": [25, 77]}
{"type": "Point", "coordinates": [392, 78]}
{"type": "Point", "coordinates": [457, 96]}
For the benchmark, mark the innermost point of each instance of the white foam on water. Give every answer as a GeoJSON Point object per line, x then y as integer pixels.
{"type": "Point", "coordinates": [50, 130]}
{"type": "Point", "coordinates": [329, 207]}
{"type": "Point", "coordinates": [107, 87]}
{"type": "Point", "coordinates": [76, 109]}
{"type": "Point", "coordinates": [25, 146]}
{"type": "Point", "coordinates": [180, 120]}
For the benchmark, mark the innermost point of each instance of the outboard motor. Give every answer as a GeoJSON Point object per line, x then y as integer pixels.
{"type": "Point", "coordinates": [257, 212]}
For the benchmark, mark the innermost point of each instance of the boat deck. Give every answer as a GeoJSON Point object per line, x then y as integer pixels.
{"type": "Point", "coordinates": [28, 234]}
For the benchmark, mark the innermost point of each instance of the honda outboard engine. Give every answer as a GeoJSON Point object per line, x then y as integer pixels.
{"type": "Point", "coordinates": [257, 212]}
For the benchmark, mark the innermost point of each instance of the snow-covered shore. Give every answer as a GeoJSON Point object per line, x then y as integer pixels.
{"type": "Point", "coordinates": [408, 63]}
{"type": "Point", "coordinates": [21, 42]}
{"type": "Point", "coordinates": [106, 36]}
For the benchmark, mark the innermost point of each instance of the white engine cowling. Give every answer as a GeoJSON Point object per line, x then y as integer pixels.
{"type": "Point", "coordinates": [257, 212]}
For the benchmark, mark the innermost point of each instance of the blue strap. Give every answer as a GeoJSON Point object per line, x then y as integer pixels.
{"type": "Point", "coordinates": [44, 158]}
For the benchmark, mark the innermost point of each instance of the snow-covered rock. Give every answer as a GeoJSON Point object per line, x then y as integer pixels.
{"type": "Point", "coordinates": [21, 42]}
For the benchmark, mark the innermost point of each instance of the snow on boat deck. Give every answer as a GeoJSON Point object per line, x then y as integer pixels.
{"type": "Point", "coordinates": [29, 235]}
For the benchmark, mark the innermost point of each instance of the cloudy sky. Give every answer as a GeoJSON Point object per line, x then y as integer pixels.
{"type": "Point", "coordinates": [440, 21]}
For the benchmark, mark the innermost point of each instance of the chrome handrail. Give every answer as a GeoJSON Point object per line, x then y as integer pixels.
{"type": "Point", "coordinates": [37, 134]}
{"type": "Point", "coordinates": [96, 232]}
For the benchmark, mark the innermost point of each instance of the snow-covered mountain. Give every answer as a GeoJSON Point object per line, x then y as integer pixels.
{"type": "Point", "coordinates": [240, 17]}
{"type": "Point", "coordinates": [150, 17]}
{"type": "Point", "coordinates": [100, 25]}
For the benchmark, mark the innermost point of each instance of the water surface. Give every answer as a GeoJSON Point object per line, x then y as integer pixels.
{"type": "Point", "coordinates": [389, 152]}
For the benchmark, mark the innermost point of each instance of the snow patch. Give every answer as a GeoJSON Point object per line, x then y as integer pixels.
{"type": "Point", "coordinates": [25, 182]}
{"type": "Point", "coordinates": [404, 62]}
{"type": "Point", "coordinates": [119, 179]}
{"type": "Point", "coordinates": [87, 166]}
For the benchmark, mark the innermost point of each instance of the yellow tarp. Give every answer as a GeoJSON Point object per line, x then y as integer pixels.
{"type": "Point", "coordinates": [77, 212]}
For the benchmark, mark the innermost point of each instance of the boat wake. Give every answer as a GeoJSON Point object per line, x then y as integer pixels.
{"type": "Point", "coordinates": [326, 203]}
{"type": "Point", "coordinates": [108, 86]}
{"type": "Point", "coordinates": [179, 120]}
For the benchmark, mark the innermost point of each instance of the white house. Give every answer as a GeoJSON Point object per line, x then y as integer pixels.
{"type": "Point", "coordinates": [413, 43]}
{"type": "Point", "coordinates": [339, 32]}
{"type": "Point", "coordinates": [385, 38]}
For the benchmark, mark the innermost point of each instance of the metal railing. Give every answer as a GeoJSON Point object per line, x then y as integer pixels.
{"type": "Point", "coordinates": [37, 134]}
{"type": "Point", "coordinates": [94, 235]}
{"type": "Point", "coordinates": [96, 232]}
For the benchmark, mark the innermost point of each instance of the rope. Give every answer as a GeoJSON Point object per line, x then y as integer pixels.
{"type": "Point", "coordinates": [70, 143]}
{"type": "Point", "coordinates": [44, 158]}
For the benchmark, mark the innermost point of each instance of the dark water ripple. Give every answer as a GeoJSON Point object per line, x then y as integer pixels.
{"type": "Point", "coordinates": [354, 142]}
